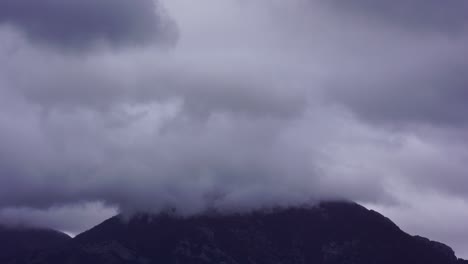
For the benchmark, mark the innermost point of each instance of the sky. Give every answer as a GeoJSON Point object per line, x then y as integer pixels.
{"type": "Point", "coordinates": [111, 106]}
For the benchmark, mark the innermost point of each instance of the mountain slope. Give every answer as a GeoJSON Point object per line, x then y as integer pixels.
{"type": "Point", "coordinates": [16, 242]}
{"type": "Point", "coordinates": [331, 233]}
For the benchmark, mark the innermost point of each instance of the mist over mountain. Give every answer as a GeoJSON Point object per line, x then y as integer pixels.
{"type": "Point", "coordinates": [124, 106]}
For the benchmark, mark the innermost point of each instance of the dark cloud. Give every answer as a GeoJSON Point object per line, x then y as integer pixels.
{"type": "Point", "coordinates": [392, 63]}
{"type": "Point", "coordinates": [79, 24]}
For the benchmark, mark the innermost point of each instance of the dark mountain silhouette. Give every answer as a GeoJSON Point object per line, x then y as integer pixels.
{"type": "Point", "coordinates": [330, 233]}
{"type": "Point", "coordinates": [18, 241]}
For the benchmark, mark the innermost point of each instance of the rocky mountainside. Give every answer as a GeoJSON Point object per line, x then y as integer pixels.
{"type": "Point", "coordinates": [330, 233]}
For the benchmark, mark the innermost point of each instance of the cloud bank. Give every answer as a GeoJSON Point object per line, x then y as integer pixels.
{"type": "Point", "coordinates": [260, 103]}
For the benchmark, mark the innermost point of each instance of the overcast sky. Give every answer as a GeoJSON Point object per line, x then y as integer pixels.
{"type": "Point", "coordinates": [130, 105]}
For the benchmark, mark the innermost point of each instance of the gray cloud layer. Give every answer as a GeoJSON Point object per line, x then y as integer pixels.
{"type": "Point", "coordinates": [422, 15]}
{"type": "Point", "coordinates": [73, 24]}
{"type": "Point", "coordinates": [261, 103]}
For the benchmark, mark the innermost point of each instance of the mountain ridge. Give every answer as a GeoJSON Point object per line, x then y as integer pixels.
{"type": "Point", "coordinates": [329, 233]}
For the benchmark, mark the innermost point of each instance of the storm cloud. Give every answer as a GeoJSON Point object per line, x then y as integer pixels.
{"type": "Point", "coordinates": [260, 103]}
{"type": "Point", "coordinates": [73, 24]}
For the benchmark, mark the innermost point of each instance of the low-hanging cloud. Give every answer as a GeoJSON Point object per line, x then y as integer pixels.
{"type": "Point", "coordinates": [261, 103]}
{"type": "Point", "coordinates": [81, 24]}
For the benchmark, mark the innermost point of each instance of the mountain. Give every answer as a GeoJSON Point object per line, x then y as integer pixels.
{"type": "Point", "coordinates": [329, 233]}
{"type": "Point", "coordinates": [19, 241]}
